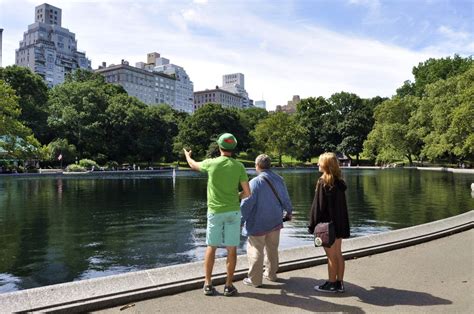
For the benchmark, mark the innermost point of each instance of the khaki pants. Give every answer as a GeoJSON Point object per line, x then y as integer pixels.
{"type": "Point", "coordinates": [255, 255]}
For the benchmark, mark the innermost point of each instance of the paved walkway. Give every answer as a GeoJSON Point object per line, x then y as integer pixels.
{"type": "Point", "coordinates": [436, 276]}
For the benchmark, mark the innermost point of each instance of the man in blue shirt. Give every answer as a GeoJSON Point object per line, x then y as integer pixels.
{"type": "Point", "coordinates": [263, 214]}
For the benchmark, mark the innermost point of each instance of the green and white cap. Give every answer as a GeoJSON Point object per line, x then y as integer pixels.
{"type": "Point", "coordinates": [227, 141]}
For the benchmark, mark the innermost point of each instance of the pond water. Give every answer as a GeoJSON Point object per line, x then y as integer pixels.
{"type": "Point", "coordinates": [62, 229]}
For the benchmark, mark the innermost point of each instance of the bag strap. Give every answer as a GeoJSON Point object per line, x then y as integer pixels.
{"type": "Point", "coordinates": [273, 189]}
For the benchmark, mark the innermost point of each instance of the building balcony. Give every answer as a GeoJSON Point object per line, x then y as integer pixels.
{"type": "Point", "coordinates": [39, 68]}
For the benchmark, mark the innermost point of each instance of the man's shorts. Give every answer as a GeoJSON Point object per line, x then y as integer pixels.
{"type": "Point", "coordinates": [223, 229]}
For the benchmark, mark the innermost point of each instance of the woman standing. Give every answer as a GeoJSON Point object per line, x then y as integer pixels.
{"type": "Point", "coordinates": [329, 204]}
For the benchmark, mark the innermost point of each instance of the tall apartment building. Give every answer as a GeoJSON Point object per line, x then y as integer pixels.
{"type": "Point", "coordinates": [48, 49]}
{"type": "Point", "coordinates": [233, 79]}
{"type": "Point", "coordinates": [184, 88]}
{"type": "Point", "coordinates": [235, 83]}
{"type": "Point", "coordinates": [290, 107]}
{"type": "Point", "coordinates": [216, 96]}
{"type": "Point", "coordinates": [154, 82]}
{"type": "Point", "coordinates": [149, 87]}
{"type": "Point", "coordinates": [261, 104]}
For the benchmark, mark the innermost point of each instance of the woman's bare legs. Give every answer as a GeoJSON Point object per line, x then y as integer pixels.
{"type": "Point", "coordinates": [340, 259]}
{"type": "Point", "coordinates": [332, 262]}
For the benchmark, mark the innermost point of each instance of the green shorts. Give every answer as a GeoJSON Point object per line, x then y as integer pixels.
{"type": "Point", "coordinates": [223, 229]}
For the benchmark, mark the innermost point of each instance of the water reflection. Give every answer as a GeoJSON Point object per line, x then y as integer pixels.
{"type": "Point", "coordinates": [55, 230]}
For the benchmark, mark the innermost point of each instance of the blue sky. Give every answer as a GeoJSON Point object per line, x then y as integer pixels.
{"type": "Point", "coordinates": [284, 47]}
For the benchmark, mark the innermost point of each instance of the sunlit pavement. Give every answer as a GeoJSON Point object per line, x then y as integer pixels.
{"type": "Point", "coordinates": [431, 277]}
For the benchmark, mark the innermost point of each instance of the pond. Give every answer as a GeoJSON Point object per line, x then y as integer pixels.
{"type": "Point", "coordinates": [62, 229]}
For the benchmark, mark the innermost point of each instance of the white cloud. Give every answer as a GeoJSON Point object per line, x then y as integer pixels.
{"type": "Point", "coordinates": [452, 41]}
{"type": "Point", "coordinates": [452, 34]}
{"type": "Point", "coordinates": [190, 15]}
{"type": "Point", "coordinates": [280, 58]}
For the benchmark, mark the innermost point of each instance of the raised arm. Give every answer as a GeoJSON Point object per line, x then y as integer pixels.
{"type": "Point", "coordinates": [191, 162]}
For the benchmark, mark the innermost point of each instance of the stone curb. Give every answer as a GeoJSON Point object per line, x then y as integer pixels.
{"type": "Point", "coordinates": [98, 293]}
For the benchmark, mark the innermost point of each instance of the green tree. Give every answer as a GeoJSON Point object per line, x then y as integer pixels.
{"type": "Point", "coordinates": [60, 147]}
{"type": "Point", "coordinates": [355, 121]}
{"type": "Point", "coordinates": [124, 123]}
{"type": "Point", "coordinates": [392, 138]}
{"type": "Point", "coordinates": [168, 129]}
{"type": "Point", "coordinates": [431, 71]}
{"type": "Point", "coordinates": [407, 89]}
{"type": "Point", "coordinates": [159, 130]}
{"type": "Point", "coordinates": [16, 140]}
{"type": "Point", "coordinates": [83, 75]}
{"type": "Point", "coordinates": [77, 112]}
{"type": "Point", "coordinates": [315, 129]}
{"type": "Point", "coordinates": [202, 128]}
{"type": "Point", "coordinates": [32, 95]}
{"type": "Point", "coordinates": [445, 118]}
{"type": "Point", "coordinates": [273, 134]}
{"type": "Point", "coordinates": [249, 119]}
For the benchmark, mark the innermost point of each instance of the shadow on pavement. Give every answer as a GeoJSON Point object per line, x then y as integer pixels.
{"type": "Point", "coordinates": [298, 292]}
{"type": "Point", "coordinates": [384, 296]}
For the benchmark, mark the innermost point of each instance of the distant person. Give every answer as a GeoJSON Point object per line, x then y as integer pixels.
{"type": "Point", "coordinates": [329, 204]}
{"type": "Point", "coordinates": [262, 214]}
{"type": "Point", "coordinates": [223, 208]}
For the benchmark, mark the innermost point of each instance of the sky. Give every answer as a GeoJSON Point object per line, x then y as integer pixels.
{"type": "Point", "coordinates": [309, 48]}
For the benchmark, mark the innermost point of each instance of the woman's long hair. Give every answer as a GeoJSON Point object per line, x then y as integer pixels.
{"type": "Point", "coordinates": [330, 167]}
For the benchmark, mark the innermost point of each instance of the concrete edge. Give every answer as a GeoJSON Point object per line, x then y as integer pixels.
{"type": "Point", "coordinates": [94, 294]}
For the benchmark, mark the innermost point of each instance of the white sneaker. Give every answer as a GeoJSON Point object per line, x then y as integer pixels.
{"type": "Point", "coordinates": [249, 282]}
{"type": "Point", "coordinates": [270, 279]}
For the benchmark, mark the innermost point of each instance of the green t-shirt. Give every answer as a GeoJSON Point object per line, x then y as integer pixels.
{"type": "Point", "coordinates": [225, 174]}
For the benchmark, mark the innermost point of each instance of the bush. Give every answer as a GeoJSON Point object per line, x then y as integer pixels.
{"type": "Point", "coordinates": [100, 158]}
{"type": "Point", "coordinates": [112, 165]}
{"type": "Point", "coordinates": [88, 164]}
{"type": "Point", "coordinates": [75, 168]}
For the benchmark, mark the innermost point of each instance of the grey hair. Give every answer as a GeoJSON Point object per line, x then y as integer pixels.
{"type": "Point", "coordinates": [263, 161]}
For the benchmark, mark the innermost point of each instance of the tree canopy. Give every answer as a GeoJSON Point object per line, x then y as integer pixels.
{"type": "Point", "coordinates": [16, 140]}
{"type": "Point", "coordinates": [202, 128]}
{"type": "Point", "coordinates": [434, 122]}
{"type": "Point", "coordinates": [32, 95]}
{"type": "Point", "coordinates": [274, 134]}
{"type": "Point", "coordinates": [430, 118]}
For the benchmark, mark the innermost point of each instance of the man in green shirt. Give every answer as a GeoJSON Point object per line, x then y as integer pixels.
{"type": "Point", "coordinates": [223, 208]}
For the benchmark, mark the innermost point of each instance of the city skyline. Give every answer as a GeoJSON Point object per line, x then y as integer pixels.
{"type": "Point", "coordinates": [309, 48]}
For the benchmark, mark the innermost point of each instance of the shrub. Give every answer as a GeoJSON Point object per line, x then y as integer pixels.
{"type": "Point", "coordinates": [100, 158]}
{"type": "Point", "coordinates": [88, 164]}
{"type": "Point", "coordinates": [112, 165]}
{"type": "Point", "coordinates": [75, 168]}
